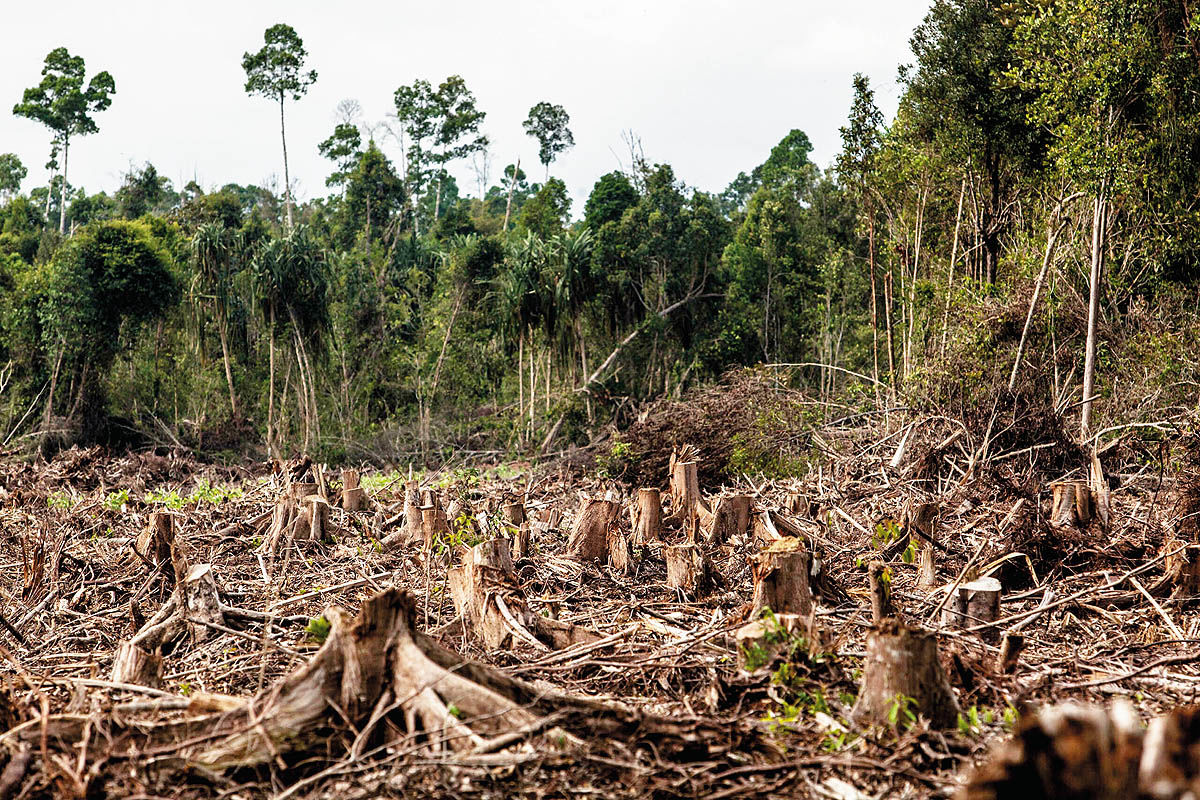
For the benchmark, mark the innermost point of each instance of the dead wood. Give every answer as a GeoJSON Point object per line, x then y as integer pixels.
{"type": "Point", "coordinates": [688, 570]}
{"type": "Point", "coordinates": [589, 537]}
{"type": "Point", "coordinates": [730, 518]}
{"type": "Point", "coordinates": [647, 516]}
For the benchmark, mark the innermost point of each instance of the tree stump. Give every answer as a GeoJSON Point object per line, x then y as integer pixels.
{"type": "Point", "coordinates": [974, 603]}
{"type": "Point", "coordinates": [155, 540]}
{"type": "Point", "coordinates": [313, 519]}
{"type": "Point", "coordinates": [1070, 752]}
{"type": "Point", "coordinates": [514, 514]}
{"type": "Point", "coordinates": [1181, 569]}
{"type": "Point", "coordinates": [201, 601]}
{"type": "Point", "coordinates": [434, 526]}
{"type": "Point", "coordinates": [689, 505]}
{"type": "Point", "coordinates": [354, 497]}
{"type": "Point", "coordinates": [1010, 653]}
{"type": "Point", "coordinates": [730, 518]}
{"type": "Point", "coordinates": [800, 505]}
{"type": "Point", "coordinates": [134, 665]}
{"type": "Point", "coordinates": [620, 554]}
{"type": "Point", "coordinates": [927, 569]}
{"type": "Point", "coordinates": [647, 516]}
{"type": "Point", "coordinates": [589, 538]}
{"type": "Point", "coordinates": [1071, 504]}
{"type": "Point", "coordinates": [760, 641]}
{"type": "Point", "coordinates": [781, 578]}
{"type": "Point", "coordinates": [687, 568]}
{"type": "Point", "coordinates": [901, 666]}
{"type": "Point", "coordinates": [879, 583]}
{"type": "Point", "coordinates": [521, 543]}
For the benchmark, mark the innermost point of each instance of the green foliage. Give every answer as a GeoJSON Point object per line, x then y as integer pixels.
{"type": "Point", "coordinates": [972, 721]}
{"type": "Point", "coordinates": [318, 629]}
{"type": "Point", "coordinates": [12, 172]}
{"type": "Point", "coordinates": [116, 500]}
{"type": "Point", "coordinates": [277, 71]}
{"type": "Point", "coordinates": [901, 712]}
{"type": "Point", "coordinates": [548, 124]}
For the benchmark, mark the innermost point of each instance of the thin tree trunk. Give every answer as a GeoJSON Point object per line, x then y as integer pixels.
{"type": "Point", "coordinates": [224, 334]}
{"type": "Point", "coordinates": [887, 321]}
{"type": "Point", "coordinates": [874, 299]}
{"type": "Point", "coordinates": [287, 181]}
{"type": "Point", "coordinates": [1089, 362]}
{"type": "Point", "coordinates": [512, 186]}
{"type": "Point", "coordinates": [953, 256]}
{"type": "Point", "coordinates": [62, 189]}
{"type": "Point", "coordinates": [271, 383]}
{"type": "Point", "coordinates": [520, 386]}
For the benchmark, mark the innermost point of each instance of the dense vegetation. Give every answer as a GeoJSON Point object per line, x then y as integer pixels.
{"type": "Point", "coordinates": [1043, 151]}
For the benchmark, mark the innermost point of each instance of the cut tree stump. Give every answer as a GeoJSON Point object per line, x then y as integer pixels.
{"type": "Point", "coordinates": [647, 516]}
{"type": "Point", "coordinates": [376, 681]}
{"type": "Point", "coordinates": [1071, 504]}
{"type": "Point", "coordinates": [201, 602]}
{"type": "Point", "coordinates": [137, 666]}
{"type": "Point", "coordinates": [687, 502]}
{"type": "Point", "coordinates": [413, 526]}
{"type": "Point", "coordinates": [903, 661]}
{"type": "Point", "coordinates": [974, 603]}
{"type": "Point", "coordinates": [514, 514]}
{"type": "Point", "coordinates": [1181, 576]}
{"type": "Point", "coordinates": [620, 553]}
{"type": "Point", "coordinates": [687, 569]}
{"type": "Point", "coordinates": [781, 574]}
{"type": "Point", "coordinates": [434, 525]}
{"type": "Point", "coordinates": [154, 541]}
{"type": "Point", "coordinates": [730, 518]}
{"type": "Point", "coordinates": [1010, 653]}
{"type": "Point", "coordinates": [881, 592]}
{"type": "Point", "coordinates": [589, 538]}
{"type": "Point", "coordinates": [758, 642]}
{"type": "Point", "coordinates": [521, 547]}
{"type": "Point", "coordinates": [354, 497]}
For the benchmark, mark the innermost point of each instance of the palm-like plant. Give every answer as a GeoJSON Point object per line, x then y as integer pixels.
{"type": "Point", "coordinates": [214, 250]}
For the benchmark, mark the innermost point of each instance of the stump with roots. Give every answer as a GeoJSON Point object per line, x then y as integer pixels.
{"type": "Point", "coordinates": [488, 598]}
{"type": "Point", "coordinates": [375, 682]}
{"type": "Point", "coordinates": [902, 666]}
{"type": "Point", "coordinates": [589, 537]}
{"type": "Point", "coordinates": [647, 516]}
{"type": "Point", "coordinates": [688, 570]}
{"type": "Point", "coordinates": [781, 578]}
{"type": "Point", "coordinates": [301, 513]}
{"type": "Point", "coordinates": [730, 518]}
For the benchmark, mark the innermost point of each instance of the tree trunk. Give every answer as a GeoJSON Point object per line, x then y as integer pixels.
{"type": "Point", "coordinates": [271, 448]}
{"type": "Point", "coordinates": [224, 334]}
{"type": "Point", "coordinates": [874, 297]}
{"type": "Point", "coordinates": [901, 673]}
{"type": "Point", "coordinates": [287, 181]}
{"type": "Point", "coordinates": [730, 518]}
{"type": "Point", "coordinates": [62, 190]}
{"type": "Point", "coordinates": [953, 257]}
{"type": "Point", "coordinates": [512, 186]}
{"type": "Point", "coordinates": [1089, 363]}
{"type": "Point", "coordinates": [687, 569]}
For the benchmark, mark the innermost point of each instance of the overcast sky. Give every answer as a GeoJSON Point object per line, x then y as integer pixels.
{"type": "Point", "coordinates": [709, 86]}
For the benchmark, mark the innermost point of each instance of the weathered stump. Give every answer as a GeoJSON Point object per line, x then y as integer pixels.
{"type": "Point", "coordinates": [137, 666]}
{"type": "Point", "coordinates": [154, 541]}
{"type": "Point", "coordinates": [901, 666]}
{"type": "Point", "coordinates": [879, 583]}
{"type": "Point", "coordinates": [1071, 504]}
{"type": "Point", "coordinates": [589, 537]}
{"type": "Point", "coordinates": [647, 516]}
{"type": "Point", "coordinates": [974, 603]}
{"type": "Point", "coordinates": [687, 568]}
{"type": "Point", "coordinates": [730, 518]}
{"type": "Point", "coordinates": [781, 574]}
{"type": "Point", "coordinates": [354, 497]}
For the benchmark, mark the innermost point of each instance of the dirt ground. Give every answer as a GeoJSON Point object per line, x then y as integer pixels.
{"type": "Point", "coordinates": [654, 702]}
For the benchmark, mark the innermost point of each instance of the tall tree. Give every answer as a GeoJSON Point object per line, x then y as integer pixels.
{"type": "Point", "coordinates": [277, 72]}
{"type": "Point", "coordinates": [343, 148]}
{"type": "Point", "coordinates": [548, 123]}
{"type": "Point", "coordinates": [440, 126]}
{"type": "Point", "coordinates": [856, 168]}
{"type": "Point", "coordinates": [12, 172]}
{"type": "Point", "coordinates": [63, 104]}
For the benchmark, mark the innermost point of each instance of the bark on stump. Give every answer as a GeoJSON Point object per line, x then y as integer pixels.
{"type": "Point", "coordinates": [1071, 504]}
{"type": "Point", "coordinates": [687, 569]}
{"type": "Point", "coordinates": [902, 663]}
{"type": "Point", "coordinates": [155, 540]}
{"type": "Point", "coordinates": [354, 497]}
{"type": "Point", "coordinates": [137, 666]}
{"type": "Point", "coordinates": [434, 525]}
{"type": "Point", "coordinates": [689, 506]}
{"type": "Point", "coordinates": [781, 578]}
{"type": "Point", "coordinates": [730, 518]}
{"type": "Point", "coordinates": [521, 543]}
{"type": "Point", "coordinates": [879, 583]}
{"type": "Point", "coordinates": [620, 553]}
{"type": "Point", "coordinates": [974, 603]}
{"type": "Point", "coordinates": [514, 514]}
{"type": "Point", "coordinates": [647, 516]}
{"type": "Point", "coordinates": [589, 538]}
{"type": "Point", "coordinates": [412, 512]}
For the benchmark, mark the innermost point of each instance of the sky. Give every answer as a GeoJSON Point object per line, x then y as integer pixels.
{"type": "Point", "coordinates": [708, 86]}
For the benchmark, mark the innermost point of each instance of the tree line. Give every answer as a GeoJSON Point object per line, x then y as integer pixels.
{"type": "Point", "coordinates": [1026, 224]}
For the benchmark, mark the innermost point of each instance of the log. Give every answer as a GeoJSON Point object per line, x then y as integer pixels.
{"type": "Point", "coordinates": [687, 568]}
{"type": "Point", "coordinates": [781, 574]}
{"type": "Point", "coordinates": [137, 666]}
{"type": "Point", "coordinates": [1071, 504]}
{"type": "Point", "coordinates": [974, 603]}
{"type": "Point", "coordinates": [647, 517]}
{"type": "Point", "coordinates": [902, 662]}
{"type": "Point", "coordinates": [730, 518]}
{"type": "Point", "coordinates": [589, 537]}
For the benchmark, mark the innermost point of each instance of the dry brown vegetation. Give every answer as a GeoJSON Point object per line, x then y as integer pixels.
{"type": "Point", "coordinates": [176, 629]}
